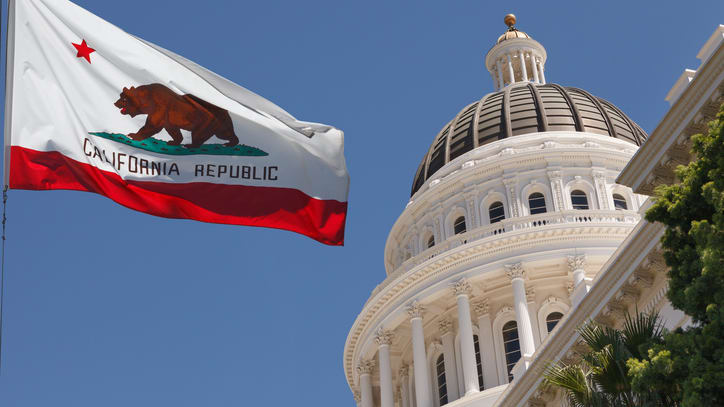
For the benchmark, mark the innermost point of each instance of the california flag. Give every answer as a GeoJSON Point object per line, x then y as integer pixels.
{"type": "Point", "coordinates": [90, 107]}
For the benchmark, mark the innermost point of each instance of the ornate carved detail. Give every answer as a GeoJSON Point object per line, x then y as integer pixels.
{"type": "Point", "coordinates": [461, 287]}
{"type": "Point", "coordinates": [404, 371]}
{"type": "Point", "coordinates": [415, 309]}
{"type": "Point", "coordinates": [556, 178]}
{"type": "Point", "coordinates": [504, 310]}
{"type": "Point", "coordinates": [576, 262]}
{"type": "Point", "coordinates": [530, 294]}
{"type": "Point", "coordinates": [384, 336]}
{"type": "Point", "coordinates": [551, 299]}
{"type": "Point", "coordinates": [365, 366]}
{"type": "Point", "coordinates": [445, 325]}
{"type": "Point", "coordinates": [570, 287]}
{"type": "Point", "coordinates": [515, 270]}
{"type": "Point", "coordinates": [481, 307]}
{"type": "Point", "coordinates": [357, 396]}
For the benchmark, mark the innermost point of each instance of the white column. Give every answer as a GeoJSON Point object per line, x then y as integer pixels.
{"type": "Point", "coordinates": [499, 71]}
{"type": "Point", "coordinates": [533, 312]}
{"type": "Point", "coordinates": [581, 285]}
{"type": "Point", "coordinates": [423, 393]}
{"type": "Point", "coordinates": [364, 368]}
{"type": "Point", "coordinates": [521, 55]}
{"type": "Point", "coordinates": [510, 69]}
{"type": "Point", "coordinates": [461, 289]}
{"type": "Point", "coordinates": [384, 339]}
{"type": "Point", "coordinates": [485, 341]}
{"type": "Point", "coordinates": [448, 352]}
{"type": "Point", "coordinates": [535, 69]}
{"type": "Point", "coordinates": [542, 75]}
{"type": "Point", "coordinates": [405, 386]}
{"type": "Point", "coordinates": [525, 330]}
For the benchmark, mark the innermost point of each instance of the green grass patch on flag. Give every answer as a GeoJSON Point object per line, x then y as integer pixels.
{"type": "Point", "coordinates": [162, 147]}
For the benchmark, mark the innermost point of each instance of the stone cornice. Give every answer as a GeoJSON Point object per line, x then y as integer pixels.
{"type": "Point", "coordinates": [691, 108]}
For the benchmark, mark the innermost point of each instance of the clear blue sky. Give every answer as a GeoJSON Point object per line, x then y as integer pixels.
{"type": "Point", "coordinates": [109, 307]}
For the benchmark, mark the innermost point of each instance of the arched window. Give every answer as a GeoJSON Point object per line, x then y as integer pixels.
{"type": "Point", "coordinates": [619, 202]}
{"type": "Point", "coordinates": [496, 212]}
{"type": "Point", "coordinates": [431, 241]}
{"type": "Point", "coordinates": [537, 203]}
{"type": "Point", "coordinates": [511, 346]}
{"type": "Point", "coordinates": [478, 362]}
{"type": "Point", "coordinates": [441, 382]}
{"type": "Point", "coordinates": [579, 199]}
{"type": "Point", "coordinates": [552, 320]}
{"type": "Point", "coordinates": [459, 225]}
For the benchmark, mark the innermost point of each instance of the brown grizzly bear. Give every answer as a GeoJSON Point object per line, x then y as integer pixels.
{"type": "Point", "coordinates": [168, 110]}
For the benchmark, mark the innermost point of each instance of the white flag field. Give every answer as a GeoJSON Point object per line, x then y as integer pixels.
{"type": "Point", "coordinates": [92, 108]}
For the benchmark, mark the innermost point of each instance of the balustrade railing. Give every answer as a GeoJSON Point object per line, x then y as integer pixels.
{"type": "Point", "coordinates": [525, 222]}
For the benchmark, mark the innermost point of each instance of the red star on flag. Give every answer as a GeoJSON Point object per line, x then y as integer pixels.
{"type": "Point", "coordinates": [84, 50]}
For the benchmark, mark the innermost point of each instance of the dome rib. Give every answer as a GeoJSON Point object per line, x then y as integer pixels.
{"type": "Point", "coordinates": [577, 119]}
{"type": "Point", "coordinates": [505, 113]}
{"type": "Point", "coordinates": [540, 109]}
{"type": "Point", "coordinates": [606, 117]}
{"type": "Point", "coordinates": [524, 109]}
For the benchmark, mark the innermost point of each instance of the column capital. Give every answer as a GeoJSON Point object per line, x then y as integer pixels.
{"type": "Point", "coordinates": [415, 309]}
{"type": "Point", "coordinates": [461, 287]}
{"type": "Point", "coordinates": [530, 294]}
{"type": "Point", "coordinates": [404, 371]}
{"type": "Point", "coordinates": [576, 262]}
{"type": "Point", "coordinates": [384, 336]}
{"type": "Point", "coordinates": [445, 325]}
{"type": "Point", "coordinates": [481, 307]}
{"type": "Point", "coordinates": [515, 271]}
{"type": "Point", "coordinates": [365, 366]}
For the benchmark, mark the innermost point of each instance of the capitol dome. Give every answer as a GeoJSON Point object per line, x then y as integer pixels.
{"type": "Point", "coordinates": [514, 210]}
{"type": "Point", "coordinates": [524, 109]}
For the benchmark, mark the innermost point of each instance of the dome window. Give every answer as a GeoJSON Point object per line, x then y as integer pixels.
{"type": "Point", "coordinates": [619, 202]}
{"type": "Point", "coordinates": [552, 320]}
{"type": "Point", "coordinates": [512, 347]}
{"type": "Point", "coordinates": [579, 199]}
{"type": "Point", "coordinates": [430, 241]}
{"type": "Point", "coordinates": [459, 226]}
{"type": "Point", "coordinates": [441, 381]}
{"type": "Point", "coordinates": [478, 361]}
{"type": "Point", "coordinates": [496, 212]}
{"type": "Point", "coordinates": [537, 203]}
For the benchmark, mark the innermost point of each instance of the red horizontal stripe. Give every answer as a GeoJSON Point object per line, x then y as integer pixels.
{"type": "Point", "coordinates": [281, 208]}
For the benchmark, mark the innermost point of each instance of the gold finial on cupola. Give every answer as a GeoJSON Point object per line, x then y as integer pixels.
{"type": "Point", "coordinates": [510, 21]}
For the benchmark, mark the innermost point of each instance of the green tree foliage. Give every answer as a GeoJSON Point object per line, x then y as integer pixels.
{"type": "Point", "coordinates": [600, 378]}
{"type": "Point", "coordinates": [692, 359]}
